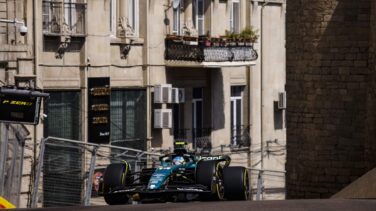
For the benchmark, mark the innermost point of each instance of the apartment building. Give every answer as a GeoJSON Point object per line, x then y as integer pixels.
{"type": "Point", "coordinates": [166, 69]}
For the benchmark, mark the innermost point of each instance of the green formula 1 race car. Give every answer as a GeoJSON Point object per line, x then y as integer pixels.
{"type": "Point", "coordinates": [181, 176]}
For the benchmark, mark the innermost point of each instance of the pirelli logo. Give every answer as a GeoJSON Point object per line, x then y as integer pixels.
{"type": "Point", "coordinates": [17, 102]}
{"type": "Point", "coordinates": [19, 108]}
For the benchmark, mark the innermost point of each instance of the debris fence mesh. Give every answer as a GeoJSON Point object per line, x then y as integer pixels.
{"type": "Point", "coordinates": [68, 171]}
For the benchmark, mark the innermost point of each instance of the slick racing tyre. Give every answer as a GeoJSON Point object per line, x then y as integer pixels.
{"type": "Point", "coordinates": [236, 183]}
{"type": "Point", "coordinates": [114, 177]}
{"type": "Point", "coordinates": [209, 174]}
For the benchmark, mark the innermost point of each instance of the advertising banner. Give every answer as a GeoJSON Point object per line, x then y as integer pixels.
{"type": "Point", "coordinates": [99, 110]}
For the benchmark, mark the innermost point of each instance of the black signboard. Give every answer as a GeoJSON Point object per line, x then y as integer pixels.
{"type": "Point", "coordinates": [19, 108]}
{"type": "Point", "coordinates": [99, 110]}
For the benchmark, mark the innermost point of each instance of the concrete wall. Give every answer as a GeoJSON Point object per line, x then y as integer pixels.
{"type": "Point", "coordinates": [17, 62]}
{"type": "Point", "coordinates": [327, 70]}
{"type": "Point", "coordinates": [267, 79]}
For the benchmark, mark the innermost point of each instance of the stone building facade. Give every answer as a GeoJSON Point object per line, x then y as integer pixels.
{"type": "Point", "coordinates": [70, 43]}
{"type": "Point", "coordinates": [330, 86]}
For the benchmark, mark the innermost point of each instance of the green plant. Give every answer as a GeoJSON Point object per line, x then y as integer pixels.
{"type": "Point", "coordinates": [249, 34]}
{"type": "Point", "coordinates": [231, 35]}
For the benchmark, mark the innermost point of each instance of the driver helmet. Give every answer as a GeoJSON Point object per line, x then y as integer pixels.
{"type": "Point", "coordinates": [178, 160]}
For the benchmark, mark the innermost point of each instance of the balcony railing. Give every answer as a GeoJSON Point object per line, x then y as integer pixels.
{"type": "Point", "coordinates": [205, 49]}
{"type": "Point", "coordinates": [64, 18]}
{"type": "Point", "coordinates": [240, 136]}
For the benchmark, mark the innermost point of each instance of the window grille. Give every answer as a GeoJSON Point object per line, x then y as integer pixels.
{"type": "Point", "coordinates": [63, 115]}
{"type": "Point", "coordinates": [66, 17]}
{"type": "Point", "coordinates": [128, 118]}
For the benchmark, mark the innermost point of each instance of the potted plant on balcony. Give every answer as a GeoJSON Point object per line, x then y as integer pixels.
{"type": "Point", "coordinates": [249, 35]}
{"type": "Point", "coordinates": [231, 38]}
{"type": "Point", "coordinates": [216, 41]}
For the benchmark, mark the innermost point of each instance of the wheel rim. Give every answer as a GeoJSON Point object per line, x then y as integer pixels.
{"type": "Point", "coordinates": [246, 185]}
{"type": "Point", "coordinates": [219, 185]}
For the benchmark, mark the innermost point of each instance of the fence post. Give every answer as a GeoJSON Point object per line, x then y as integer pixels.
{"type": "Point", "coordinates": [3, 153]}
{"type": "Point", "coordinates": [34, 195]}
{"type": "Point", "coordinates": [89, 184]}
{"type": "Point", "coordinates": [259, 186]}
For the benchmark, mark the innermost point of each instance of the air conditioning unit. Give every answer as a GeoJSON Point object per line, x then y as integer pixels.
{"type": "Point", "coordinates": [178, 95]}
{"type": "Point", "coordinates": [163, 93]}
{"type": "Point", "coordinates": [162, 118]}
{"type": "Point", "coordinates": [282, 104]}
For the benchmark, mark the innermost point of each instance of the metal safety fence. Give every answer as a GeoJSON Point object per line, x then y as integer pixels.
{"type": "Point", "coordinates": [267, 184]}
{"type": "Point", "coordinates": [68, 171]}
{"type": "Point", "coordinates": [12, 140]}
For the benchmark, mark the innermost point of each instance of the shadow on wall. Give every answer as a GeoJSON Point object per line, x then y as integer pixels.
{"type": "Point", "coordinates": [327, 67]}
{"type": "Point", "coordinates": [218, 100]}
{"type": "Point", "coordinates": [370, 147]}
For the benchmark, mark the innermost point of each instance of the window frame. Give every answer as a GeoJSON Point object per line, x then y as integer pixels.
{"type": "Point", "coordinates": [135, 19]}
{"type": "Point", "coordinates": [75, 108]}
{"type": "Point", "coordinates": [235, 27]}
{"type": "Point", "coordinates": [176, 20]}
{"type": "Point", "coordinates": [113, 17]}
{"type": "Point", "coordinates": [236, 98]}
{"type": "Point", "coordinates": [121, 98]}
{"type": "Point", "coordinates": [197, 18]}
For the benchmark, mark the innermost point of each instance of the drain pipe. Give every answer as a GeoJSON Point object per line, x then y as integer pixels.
{"type": "Point", "coordinates": [262, 80]}
{"type": "Point", "coordinates": [35, 46]}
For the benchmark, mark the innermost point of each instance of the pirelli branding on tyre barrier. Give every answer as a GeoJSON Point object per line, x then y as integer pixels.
{"type": "Point", "coordinates": [69, 171]}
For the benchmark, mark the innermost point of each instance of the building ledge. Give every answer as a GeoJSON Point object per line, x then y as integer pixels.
{"type": "Point", "coordinates": [178, 63]}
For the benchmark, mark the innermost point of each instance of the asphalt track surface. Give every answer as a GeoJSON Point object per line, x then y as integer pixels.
{"type": "Point", "coordinates": [328, 204]}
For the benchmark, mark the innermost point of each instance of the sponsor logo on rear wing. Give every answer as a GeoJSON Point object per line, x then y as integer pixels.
{"type": "Point", "coordinates": [215, 157]}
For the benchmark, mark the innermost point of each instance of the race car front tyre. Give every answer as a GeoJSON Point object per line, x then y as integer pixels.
{"type": "Point", "coordinates": [209, 174]}
{"type": "Point", "coordinates": [236, 183]}
{"type": "Point", "coordinates": [114, 177]}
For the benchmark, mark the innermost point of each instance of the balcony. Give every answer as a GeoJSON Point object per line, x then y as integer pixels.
{"type": "Point", "coordinates": [240, 137]}
{"type": "Point", "coordinates": [208, 52]}
{"type": "Point", "coordinates": [64, 18]}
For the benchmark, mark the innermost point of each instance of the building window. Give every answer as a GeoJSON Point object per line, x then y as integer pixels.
{"type": "Point", "coordinates": [70, 21]}
{"type": "Point", "coordinates": [128, 118]}
{"type": "Point", "coordinates": [113, 16]}
{"type": "Point", "coordinates": [176, 20]}
{"type": "Point", "coordinates": [63, 112]}
{"type": "Point", "coordinates": [236, 114]}
{"type": "Point", "coordinates": [235, 16]}
{"type": "Point", "coordinates": [199, 16]}
{"type": "Point", "coordinates": [133, 16]}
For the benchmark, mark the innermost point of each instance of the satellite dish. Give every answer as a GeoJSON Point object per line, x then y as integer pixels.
{"type": "Point", "coordinates": [175, 3]}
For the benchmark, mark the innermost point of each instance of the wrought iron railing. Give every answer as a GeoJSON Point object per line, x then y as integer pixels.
{"type": "Point", "coordinates": [64, 18]}
{"type": "Point", "coordinates": [240, 136]}
{"type": "Point", "coordinates": [208, 50]}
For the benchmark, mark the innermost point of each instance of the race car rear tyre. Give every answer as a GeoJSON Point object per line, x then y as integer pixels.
{"type": "Point", "coordinates": [114, 177]}
{"type": "Point", "coordinates": [236, 183]}
{"type": "Point", "coordinates": [209, 174]}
